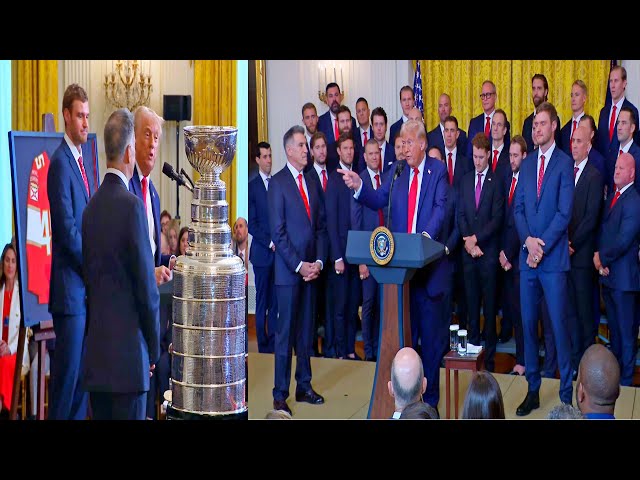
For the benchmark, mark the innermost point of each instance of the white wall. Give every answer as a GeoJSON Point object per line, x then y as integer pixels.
{"type": "Point", "coordinates": [292, 83]}
{"type": "Point", "coordinates": [169, 77]}
{"type": "Point", "coordinates": [633, 80]}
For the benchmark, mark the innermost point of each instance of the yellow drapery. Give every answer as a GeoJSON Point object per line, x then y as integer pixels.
{"type": "Point", "coordinates": [34, 91]}
{"type": "Point", "coordinates": [214, 103]}
{"type": "Point", "coordinates": [462, 80]}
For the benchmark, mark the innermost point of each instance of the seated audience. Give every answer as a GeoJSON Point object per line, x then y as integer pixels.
{"type": "Point", "coordinates": [419, 411]}
{"type": "Point", "coordinates": [408, 382]}
{"type": "Point", "coordinates": [484, 398]}
{"type": "Point", "coordinates": [183, 240]}
{"type": "Point", "coordinates": [598, 384]}
{"type": "Point", "coordinates": [164, 244]}
{"type": "Point", "coordinates": [172, 234]}
{"type": "Point", "coordinates": [564, 411]}
{"type": "Point", "coordinates": [165, 218]}
{"type": "Point", "coordinates": [278, 415]}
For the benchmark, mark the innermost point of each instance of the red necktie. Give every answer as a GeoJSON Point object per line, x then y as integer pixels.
{"type": "Point", "coordinates": [84, 175]}
{"type": "Point", "coordinates": [513, 189]}
{"type": "Point", "coordinates": [575, 171]}
{"type": "Point", "coordinates": [612, 122]}
{"type": "Point", "coordinates": [450, 168]}
{"type": "Point", "coordinates": [365, 139]}
{"type": "Point", "coordinates": [487, 127]}
{"type": "Point", "coordinates": [495, 161]}
{"type": "Point", "coordinates": [621, 152]}
{"type": "Point", "coordinates": [380, 215]}
{"type": "Point", "coordinates": [413, 197]}
{"type": "Point", "coordinates": [144, 193]}
{"type": "Point", "coordinates": [575, 125]}
{"type": "Point", "coordinates": [304, 196]}
{"type": "Point", "coordinates": [324, 180]}
{"type": "Point", "coordinates": [540, 174]}
{"type": "Point", "coordinates": [615, 198]}
{"type": "Point", "coordinates": [336, 132]}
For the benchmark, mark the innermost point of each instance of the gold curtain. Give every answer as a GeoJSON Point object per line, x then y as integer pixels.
{"type": "Point", "coordinates": [34, 91]}
{"type": "Point", "coordinates": [215, 104]}
{"type": "Point", "coordinates": [462, 80]}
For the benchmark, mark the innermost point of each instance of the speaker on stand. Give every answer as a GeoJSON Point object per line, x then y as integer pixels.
{"type": "Point", "coordinates": [177, 108]}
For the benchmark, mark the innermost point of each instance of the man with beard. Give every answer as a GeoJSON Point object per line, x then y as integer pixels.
{"type": "Point", "coordinates": [398, 146]}
{"type": "Point", "coordinates": [435, 138]}
{"type": "Point", "coordinates": [328, 123]}
{"type": "Point", "coordinates": [539, 94]}
{"type": "Point", "coordinates": [310, 120]}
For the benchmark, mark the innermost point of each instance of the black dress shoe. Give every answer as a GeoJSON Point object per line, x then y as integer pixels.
{"type": "Point", "coordinates": [281, 405]}
{"type": "Point", "coordinates": [531, 402]}
{"type": "Point", "coordinates": [310, 397]}
{"type": "Point", "coordinates": [370, 359]}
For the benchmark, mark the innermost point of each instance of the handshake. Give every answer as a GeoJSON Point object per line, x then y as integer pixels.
{"type": "Point", "coordinates": [310, 271]}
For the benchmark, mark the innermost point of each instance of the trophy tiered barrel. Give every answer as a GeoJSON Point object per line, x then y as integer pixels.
{"type": "Point", "coordinates": [208, 369]}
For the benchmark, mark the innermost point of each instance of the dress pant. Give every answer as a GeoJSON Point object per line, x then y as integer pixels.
{"type": "Point", "coordinates": [582, 328]}
{"type": "Point", "coordinates": [370, 316]}
{"type": "Point", "coordinates": [511, 310]}
{"type": "Point", "coordinates": [266, 308]}
{"type": "Point", "coordinates": [346, 288]}
{"type": "Point", "coordinates": [118, 406]}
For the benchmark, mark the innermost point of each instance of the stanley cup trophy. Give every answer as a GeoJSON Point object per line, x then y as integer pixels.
{"type": "Point", "coordinates": [208, 369]}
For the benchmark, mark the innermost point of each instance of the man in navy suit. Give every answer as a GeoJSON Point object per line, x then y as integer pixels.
{"type": "Point", "coordinates": [262, 251]}
{"type": "Point", "coordinates": [617, 263]}
{"type": "Point", "coordinates": [365, 218]}
{"type": "Point", "coordinates": [595, 158]}
{"type": "Point", "coordinates": [625, 130]}
{"type": "Point", "coordinates": [362, 134]}
{"type": "Point", "coordinates": [539, 94]}
{"type": "Point", "coordinates": [407, 102]}
{"type": "Point", "coordinates": [148, 131]}
{"type": "Point", "coordinates": [310, 120]}
{"type": "Point", "coordinates": [418, 206]}
{"type": "Point", "coordinates": [298, 230]}
{"type": "Point", "coordinates": [499, 154]}
{"type": "Point", "coordinates": [122, 339]}
{"type": "Point", "coordinates": [328, 123]}
{"type": "Point", "coordinates": [70, 184]}
{"type": "Point", "coordinates": [543, 207]}
{"type": "Point", "coordinates": [480, 214]}
{"type": "Point", "coordinates": [585, 219]}
{"type": "Point", "coordinates": [482, 123]}
{"type": "Point", "coordinates": [435, 138]}
{"type": "Point", "coordinates": [606, 139]}
{"type": "Point", "coordinates": [578, 99]}
{"type": "Point", "coordinates": [387, 153]}
{"type": "Point", "coordinates": [509, 256]}
{"type": "Point", "coordinates": [345, 279]}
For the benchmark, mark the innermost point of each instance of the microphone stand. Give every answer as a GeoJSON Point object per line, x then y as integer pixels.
{"type": "Point", "coordinates": [177, 215]}
{"type": "Point", "coordinates": [396, 174]}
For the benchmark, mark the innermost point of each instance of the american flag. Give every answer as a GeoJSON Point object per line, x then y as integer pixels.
{"type": "Point", "coordinates": [417, 89]}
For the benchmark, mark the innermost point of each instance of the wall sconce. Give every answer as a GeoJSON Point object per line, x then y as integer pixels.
{"type": "Point", "coordinates": [127, 86]}
{"type": "Point", "coordinates": [327, 74]}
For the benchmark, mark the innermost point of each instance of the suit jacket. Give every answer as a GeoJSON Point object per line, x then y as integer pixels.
{"type": "Point", "coordinates": [358, 161]}
{"type": "Point", "coordinates": [485, 222]}
{"type": "Point", "coordinates": [602, 143]}
{"type": "Point", "coordinates": [565, 136]}
{"type": "Point", "coordinates": [462, 166]}
{"type": "Point", "coordinates": [510, 243]}
{"type": "Point", "coordinates": [67, 199]}
{"type": "Point", "coordinates": [122, 335]}
{"type": "Point", "coordinates": [325, 125]}
{"type": "Point", "coordinates": [135, 187]}
{"type": "Point", "coordinates": [585, 216]}
{"type": "Point", "coordinates": [436, 139]}
{"type": "Point", "coordinates": [395, 130]}
{"type": "Point", "coordinates": [598, 161]}
{"type": "Point", "coordinates": [14, 323]}
{"type": "Point", "coordinates": [450, 231]}
{"type": "Point", "coordinates": [476, 125]}
{"type": "Point", "coordinates": [430, 212]}
{"type": "Point", "coordinates": [547, 217]}
{"type": "Point", "coordinates": [337, 196]}
{"type": "Point", "coordinates": [619, 238]}
{"type": "Point", "coordinates": [296, 237]}
{"type": "Point", "coordinates": [363, 217]}
{"type": "Point", "coordinates": [527, 127]}
{"type": "Point", "coordinates": [503, 169]}
{"type": "Point", "coordinates": [610, 166]}
{"type": "Point", "coordinates": [260, 254]}
{"type": "Point", "coordinates": [389, 160]}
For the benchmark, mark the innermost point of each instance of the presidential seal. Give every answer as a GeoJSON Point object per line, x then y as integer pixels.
{"type": "Point", "coordinates": [381, 245]}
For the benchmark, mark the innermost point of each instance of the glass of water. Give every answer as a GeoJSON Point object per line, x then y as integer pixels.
{"type": "Point", "coordinates": [453, 337]}
{"type": "Point", "coordinates": [462, 342]}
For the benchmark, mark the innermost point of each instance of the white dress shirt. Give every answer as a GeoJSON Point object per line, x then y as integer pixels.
{"type": "Point", "coordinates": [547, 157]}
{"type": "Point", "coordinates": [122, 176]}
{"type": "Point", "coordinates": [76, 155]}
{"type": "Point", "coordinates": [580, 169]}
{"type": "Point", "coordinates": [151, 226]}
{"type": "Point", "coordinates": [619, 106]}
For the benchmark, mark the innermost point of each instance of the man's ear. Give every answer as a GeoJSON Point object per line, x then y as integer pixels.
{"type": "Point", "coordinates": [390, 387]}
{"type": "Point", "coordinates": [580, 392]}
{"type": "Point", "coordinates": [424, 384]}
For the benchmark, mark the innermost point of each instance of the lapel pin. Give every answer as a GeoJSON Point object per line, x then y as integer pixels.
{"type": "Point", "coordinates": [428, 170]}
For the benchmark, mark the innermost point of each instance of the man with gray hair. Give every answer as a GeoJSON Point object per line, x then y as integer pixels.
{"type": "Point", "coordinates": [598, 384]}
{"type": "Point", "coordinates": [565, 411]}
{"type": "Point", "coordinates": [122, 343]}
{"type": "Point", "coordinates": [408, 382]}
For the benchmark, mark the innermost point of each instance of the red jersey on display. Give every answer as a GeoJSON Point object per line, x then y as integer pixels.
{"type": "Point", "coordinates": [38, 230]}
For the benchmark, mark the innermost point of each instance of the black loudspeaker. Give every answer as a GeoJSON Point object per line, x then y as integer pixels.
{"type": "Point", "coordinates": [176, 107]}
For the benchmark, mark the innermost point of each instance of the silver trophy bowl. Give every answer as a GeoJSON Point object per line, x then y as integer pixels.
{"type": "Point", "coordinates": [208, 369]}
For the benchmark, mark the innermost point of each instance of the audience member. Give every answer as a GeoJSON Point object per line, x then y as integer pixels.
{"type": "Point", "coordinates": [183, 241]}
{"type": "Point", "coordinates": [165, 218]}
{"type": "Point", "coordinates": [419, 411]}
{"type": "Point", "coordinates": [565, 411]}
{"type": "Point", "coordinates": [172, 234]}
{"type": "Point", "coordinates": [484, 398]}
{"type": "Point", "coordinates": [278, 415]}
{"type": "Point", "coordinates": [408, 382]}
{"type": "Point", "coordinates": [598, 384]}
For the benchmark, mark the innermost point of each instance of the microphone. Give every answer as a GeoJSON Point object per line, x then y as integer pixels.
{"type": "Point", "coordinates": [399, 167]}
{"type": "Point", "coordinates": [168, 170]}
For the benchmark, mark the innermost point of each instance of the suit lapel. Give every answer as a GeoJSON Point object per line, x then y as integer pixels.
{"type": "Point", "coordinates": [76, 169]}
{"type": "Point", "coordinates": [426, 179]}
{"type": "Point", "coordinates": [401, 189]}
{"type": "Point", "coordinates": [553, 162]}
{"type": "Point", "coordinates": [485, 186]}
{"type": "Point", "coordinates": [295, 191]}
{"type": "Point", "coordinates": [618, 202]}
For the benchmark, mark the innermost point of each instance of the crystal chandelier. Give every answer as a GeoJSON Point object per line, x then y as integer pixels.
{"type": "Point", "coordinates": [127, 86]}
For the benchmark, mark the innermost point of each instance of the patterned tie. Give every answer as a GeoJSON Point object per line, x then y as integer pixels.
{"type": "Point", "coordinates": [336, 132]}
{"type": "Point", "coordinates": [612, 122]}
{"type": "Point", "coordinates": [304, 196]}
{"type": "Point", "coordinates": [84, 175]}
{"type": "Point", "coordinates": [575, 125]}
{"type": "Point", "coordinates": [324, 180]}
{"type": "Point", "coordinates": [575, 172]}
{"type": "Point", "coordinates": [478, 189]}
{"type": "Point", "coordinates": [266, 185]}
{"type": "Point", "coordinates": [450, 168]}
{"type": "Point", "coordinates": [380, 215]}
{"type": "Point", "coordinates": [615, 198]}
{"type": "Point", "coordinates": [540, 174]}
{"type": "Point", "coordinates": [144, 193]}
{"type": "Point", "coordinates": [513, 189]}
{"type": "Point", "coordinates": [413, 197]}
{"type": "Point", "coordinates": [495, 161]}
{"type": "Point", "coordinates": [487, 127]}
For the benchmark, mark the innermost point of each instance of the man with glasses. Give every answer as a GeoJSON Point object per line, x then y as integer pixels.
{"type": "Point", "coordinates": [539, 94]}
{"type": "Point", "coordinates": [483, 122]}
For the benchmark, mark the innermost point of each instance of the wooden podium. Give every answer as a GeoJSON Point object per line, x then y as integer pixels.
{"type": "Point", "coordinates": [412, 251]}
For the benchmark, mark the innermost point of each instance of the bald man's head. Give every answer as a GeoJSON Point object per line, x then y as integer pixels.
{"type": "Point", "coordinates": [415, 114]}
{"type": "Point", "coordinates": [407, 378]}
{"type": "Point", "coordinates": [598, 385]}
{"type": "Point", "coordinates": [580, 144]}
{"type": "Point", "coordinates": [625, 171]}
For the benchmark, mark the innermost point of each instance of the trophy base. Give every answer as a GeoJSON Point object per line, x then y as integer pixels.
{"type": "Point", "coordinates": [173, 414]}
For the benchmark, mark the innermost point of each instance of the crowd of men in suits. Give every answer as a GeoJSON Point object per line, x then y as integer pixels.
{"type": "Point", "coordinates": [529, 224]}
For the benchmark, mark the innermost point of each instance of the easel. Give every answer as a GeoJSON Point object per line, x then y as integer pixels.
{"type": "Point", "coordinates": [41, 333]}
